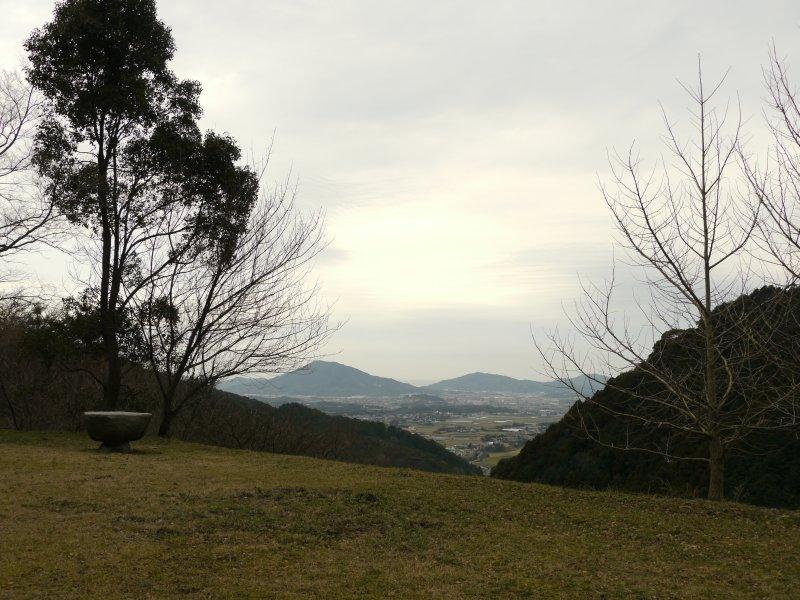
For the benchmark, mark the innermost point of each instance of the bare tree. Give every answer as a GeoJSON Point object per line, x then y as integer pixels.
{"type": "Point", "coordinates": [240, 307]}
{"type": "Point", "coordinates": [24, 213]}
{"type": "Point", "coordinates": [686, 224]}
{"type": "Point", "coordinates": [776, 190]}
{"type": "Point", "coordinates": [776, 185]}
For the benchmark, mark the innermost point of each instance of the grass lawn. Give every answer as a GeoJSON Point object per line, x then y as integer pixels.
{"type": "Point", "coordinates": [178, 519]}
{"type": "Point", "coordinates": [496, 457]}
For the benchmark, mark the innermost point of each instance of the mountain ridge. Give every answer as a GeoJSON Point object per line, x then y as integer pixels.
{"type": "Point", "coordinates": [323, 379]}
{"type": "Point", "coordinates": [491, 382]}
{"type": "Point", "coordinates": [331, 379]}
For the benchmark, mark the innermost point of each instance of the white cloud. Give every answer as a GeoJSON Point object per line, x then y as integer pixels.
{"type": "Point", "coordinates": [454, 144]}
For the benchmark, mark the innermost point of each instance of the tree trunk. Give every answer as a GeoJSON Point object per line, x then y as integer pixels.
{"type": "Point", "coordinates": [166, 417]}
{"type": "Point", "coordinates": [10, 404]}
{"type": "Point", "coordinates": [716, 472]}
{"type": "Point", "coordinates": [108, 316]}
{"type": "Point", "coordinates": [114, 376]}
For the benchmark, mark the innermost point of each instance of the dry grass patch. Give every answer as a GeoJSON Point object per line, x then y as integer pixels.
{"type": "Point", "coordinates": [180, 519]}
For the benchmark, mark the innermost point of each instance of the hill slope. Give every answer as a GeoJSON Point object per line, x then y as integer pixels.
{"type": "Point", "coordinates": [320, 378]}
{"type": "Point", "coordinates": [225, 419]}
{"type": "Point", "coordinates": [563, 456]}
{"type": "Point", "coordinates": [177, 519]}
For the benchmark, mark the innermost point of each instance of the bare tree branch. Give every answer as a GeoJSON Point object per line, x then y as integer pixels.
{"type": "Point", "coordinates": [242, 308]}
{"type": "Point", "coordinates": [686, 225]}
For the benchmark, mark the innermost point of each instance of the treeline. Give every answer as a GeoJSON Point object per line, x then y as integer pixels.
{"type": "Point", "coordinates": [49, 358]}
{"type": "Point", "coordinates": [224, 418]}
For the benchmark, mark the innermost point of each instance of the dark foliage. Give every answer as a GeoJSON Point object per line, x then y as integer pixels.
{"type": "Point", "coordinates": [763, 469]}
{"type": "Point", "coordinates": [233, 421]}
{"type": "Point", "coordinates": [49, 358]}
{"type": "Point", "coordinates": [122, 155]}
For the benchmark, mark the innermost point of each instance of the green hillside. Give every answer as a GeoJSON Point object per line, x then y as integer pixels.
{"type": "Point", "coordinates": [764, 470]}
{"type": "Point", "coordinates": [179, 519]}
{"type": "Point", "coordinates": [246, 424]}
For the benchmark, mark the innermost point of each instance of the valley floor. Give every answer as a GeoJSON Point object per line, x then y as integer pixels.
{"type": "Point", "coordinates": [175, 518]}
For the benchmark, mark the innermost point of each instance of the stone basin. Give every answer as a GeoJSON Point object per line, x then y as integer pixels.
{"type": "Point", "coordinates": [116, 429]}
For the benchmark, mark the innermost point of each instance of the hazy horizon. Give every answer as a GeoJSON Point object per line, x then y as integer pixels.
{"type": "Point", "coordinates": [414, 382]}
{"type": "Point", "coordinates": [455, 147]}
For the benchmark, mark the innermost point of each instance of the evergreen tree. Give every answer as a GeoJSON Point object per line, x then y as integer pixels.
{"type": "Point", "coordinates": [124, 157]}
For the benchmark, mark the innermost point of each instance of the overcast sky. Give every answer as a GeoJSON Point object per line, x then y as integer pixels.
{"type": "Point", "coordinates": [454, 145]}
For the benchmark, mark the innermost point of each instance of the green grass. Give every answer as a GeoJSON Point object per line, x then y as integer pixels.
{"type": "Point", "coordinates": [176, 518]}
{"type": "Point", "coordinates": [495, 457]}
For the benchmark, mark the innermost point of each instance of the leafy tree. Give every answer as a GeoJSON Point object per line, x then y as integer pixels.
{"type": "Point", "coordinates": [123, 156]}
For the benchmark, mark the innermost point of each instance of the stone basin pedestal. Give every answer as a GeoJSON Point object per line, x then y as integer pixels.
{"type": "Point", "coordinates": [116, 429]}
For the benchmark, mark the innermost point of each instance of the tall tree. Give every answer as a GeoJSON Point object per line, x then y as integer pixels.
{"type": "Point", "coordinates": [686, 227]}
{"type": "Point", "coordinates": [122, 152]}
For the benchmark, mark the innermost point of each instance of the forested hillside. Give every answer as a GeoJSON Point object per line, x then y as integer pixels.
{"type": "Point", "coordinates": [584, 448]}
{"type": "Point", "coordinates": [237, 422]}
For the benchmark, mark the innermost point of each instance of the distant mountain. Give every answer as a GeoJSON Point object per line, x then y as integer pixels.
{"type": "Point", "coordinates": [320, 378]}
{"type": "Point", "coordinates": [330, 379]}
{"type": "Point", "coordinates": [488, 382]}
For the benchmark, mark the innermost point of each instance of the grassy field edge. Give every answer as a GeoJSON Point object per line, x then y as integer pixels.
{"type": "Point", "coordinates": [175, 518]}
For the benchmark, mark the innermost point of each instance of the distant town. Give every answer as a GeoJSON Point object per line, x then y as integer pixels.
{"type": "Point", "coordinates": [481, 417]}
{"type": "Point", "coordinates": [480, 427]}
